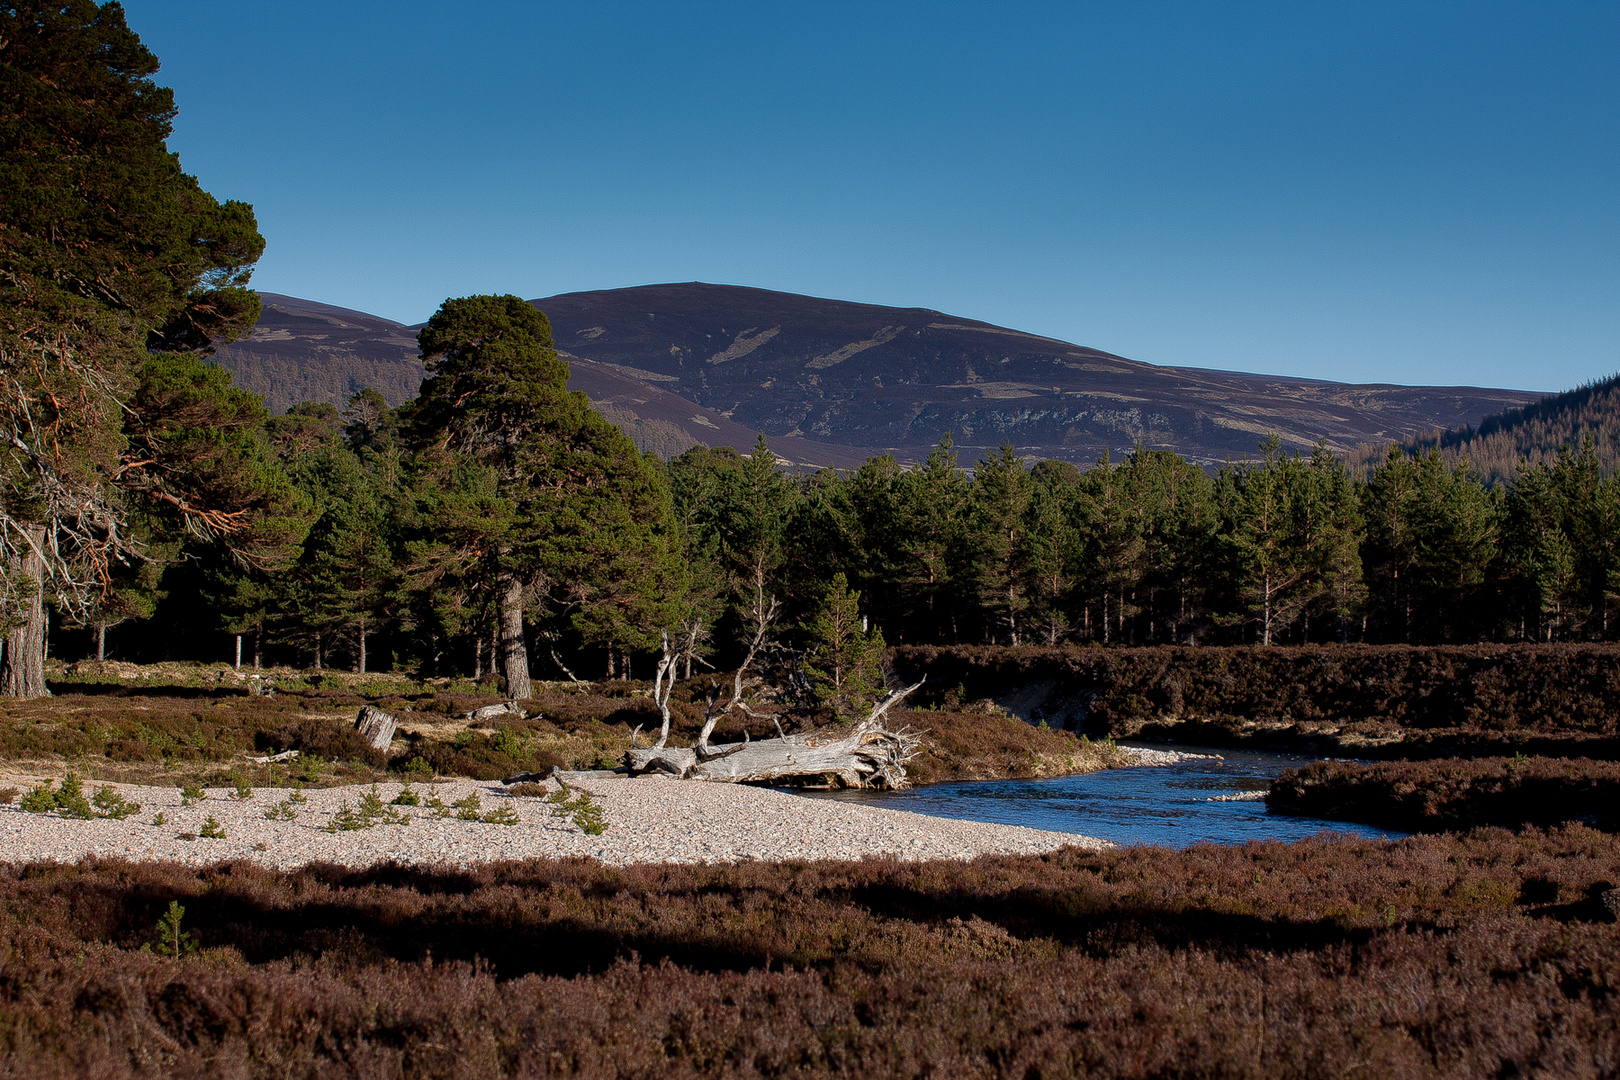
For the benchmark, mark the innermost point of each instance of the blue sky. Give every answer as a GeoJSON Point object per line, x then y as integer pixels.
{"type": "Point", "coordinates": [1403, 192]}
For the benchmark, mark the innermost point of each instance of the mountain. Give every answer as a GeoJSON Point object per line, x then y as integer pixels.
{"type": "Point", "coordinates": [1502, 443]}
{"type": "Point", "coordinates": [832, 382]}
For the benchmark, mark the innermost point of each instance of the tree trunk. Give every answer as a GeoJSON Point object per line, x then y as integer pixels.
{"type": "Point", "coordinates": [258, 642]}
{"type": "Point", "coordinates": [238, 652]}
{"type": "Point", "coordinates": [514, 650]}
{"type": "Point", "coordinates": [23, 674]}
{"type": "Point", "coordinates": [101, 642]}
{"type": "Point", "coordinates": [317, 650]}
{"type": "Point", "coordinates": [362, 646]}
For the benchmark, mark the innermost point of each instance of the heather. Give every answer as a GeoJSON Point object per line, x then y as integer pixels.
{"type": "Point", "coordinates": [1454, 795]}
{"type": "Point", "coordinates": [1488, 954]}
{"type": "Point", "coordinates": [1342, 700]}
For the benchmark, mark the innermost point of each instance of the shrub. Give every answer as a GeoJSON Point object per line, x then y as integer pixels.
{"type": "Point", "coordinates": [580, 809]}
{"type": "Point", "coordinates": [110, 804]}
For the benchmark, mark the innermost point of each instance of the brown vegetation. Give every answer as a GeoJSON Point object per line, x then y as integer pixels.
{"type": "Point", "coordinates": [1353, 700]}
{"type": "Point", "coordinates": [1491, 954]}
{"type": "Point", "coordinates": [149, 724]}
{"type": "Point", "coordinates": [1438, 796]}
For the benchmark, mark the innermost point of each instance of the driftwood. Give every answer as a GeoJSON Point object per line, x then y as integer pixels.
{"type": "Point", "coordinates": [285, 755]}
{"type": "Point", "coordinates": [491, 712]}
{"type": "Point", "coordinates": [868, 755]}
{"type": "Point", "coordinates": [375, 726]}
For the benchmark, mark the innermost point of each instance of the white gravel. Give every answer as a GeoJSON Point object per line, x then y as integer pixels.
{"type": "Point", "coordinates": [1146, 755]}
{"type": "Point", "coordinates": [650, 820]}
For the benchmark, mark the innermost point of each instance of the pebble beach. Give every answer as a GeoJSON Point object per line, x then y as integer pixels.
{"type": "Point", "coordinates": [649, 820]}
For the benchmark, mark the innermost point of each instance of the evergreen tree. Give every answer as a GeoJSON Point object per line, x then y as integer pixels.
{"type": "Point", "coordinates": [588, 523]}
{"type": "Point", "coordinates": [107, 251]}
{"type": "Point", "coordinates": [1109, 523]}
{"type": "Point", "coordinates": [844, 657]}
{"type": "Point", "coordinates": [933, 513]}
{"type": "Point", "coordinates": [1000, 498]}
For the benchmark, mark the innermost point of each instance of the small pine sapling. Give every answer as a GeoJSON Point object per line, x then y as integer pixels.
{"type": "Point", "coordinates": [110, 804]}
{"type": "Point", "coordinates": [502, 815]}
{"type": "Point", "coordinates": [212, 829]}
{"type": "Point", "coordinates": [173, 941]}
{"type": "Point", "coordinates": [582, 810]}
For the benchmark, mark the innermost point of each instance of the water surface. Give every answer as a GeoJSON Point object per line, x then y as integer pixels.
{"type": "Point", "coordinates": [1172, 805]}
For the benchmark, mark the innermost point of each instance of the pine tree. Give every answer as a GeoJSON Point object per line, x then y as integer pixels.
{"type": "Point", "coordinates": [844, 658]}
{"type": "Point", "coordinates": [108, 252]}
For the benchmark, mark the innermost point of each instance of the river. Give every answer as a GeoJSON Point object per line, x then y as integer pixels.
{"type": "Point", "coordinates": [1174, 805]}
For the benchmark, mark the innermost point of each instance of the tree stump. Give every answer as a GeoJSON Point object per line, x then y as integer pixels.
{"type": "Point", "coordinates": [376, 727]}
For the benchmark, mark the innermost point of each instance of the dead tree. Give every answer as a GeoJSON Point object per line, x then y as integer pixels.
{"type": "Point", "coordinates": [867, 755]}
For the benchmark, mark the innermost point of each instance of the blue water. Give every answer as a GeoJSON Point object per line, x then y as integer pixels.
{"type": "Point", "coordinates": [1167, 805]}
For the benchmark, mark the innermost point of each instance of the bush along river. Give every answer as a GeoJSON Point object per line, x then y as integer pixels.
{"type": "Point", "coordinates": [1216, 796]}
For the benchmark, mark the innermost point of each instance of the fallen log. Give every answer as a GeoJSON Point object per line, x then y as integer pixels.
{"type": "Point", "coordinates": [867, 756]}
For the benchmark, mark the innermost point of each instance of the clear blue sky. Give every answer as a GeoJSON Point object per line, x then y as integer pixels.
{"type": "Point", "coordinates": [1402, 192]}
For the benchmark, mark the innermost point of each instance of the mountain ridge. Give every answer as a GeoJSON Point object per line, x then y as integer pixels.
{"type": "Point", "coordinates": [832, 382]}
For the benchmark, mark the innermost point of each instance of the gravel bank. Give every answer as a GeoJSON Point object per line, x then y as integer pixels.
{"type": "Point", "coordinates": [1148, 756]}
{"type": "Point", "coordinates": [649, 820]}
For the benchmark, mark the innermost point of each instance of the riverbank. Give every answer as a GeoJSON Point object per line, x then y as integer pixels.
{"type": "Point", "coordinates": [1454, 796]}
{"type": "Point", "coordinates": [1362, 701]}
{"type": "Point", "coordinates": [468, 823]}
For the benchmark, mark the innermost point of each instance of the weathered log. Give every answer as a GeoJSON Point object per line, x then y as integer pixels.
{"type": "Point", "coordinates": [267, 759]}
{"type": "Point", "coordinates": [375, 726]}
{"type": "Point", "coordinates": [869, 755]}
{"type": "Point", "coordinates": [491, 712]}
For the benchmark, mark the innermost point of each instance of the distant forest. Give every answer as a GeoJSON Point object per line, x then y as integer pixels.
{"type": "Point", "coordinates": [1150, 549]}
{"type": "Point", "coordinates": [1529, 436]}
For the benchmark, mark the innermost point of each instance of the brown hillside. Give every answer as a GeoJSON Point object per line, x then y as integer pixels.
{"type": "Point", "coordinates": [832, 382]}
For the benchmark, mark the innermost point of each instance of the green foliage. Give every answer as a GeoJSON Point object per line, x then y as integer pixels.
{"type": "Point", "coordinates": [109, 803]}
{"type": "Point", "coordinates": [581, 809]}
{"type": "Point", "coordinates": [242, 790]}
{"type": "Point", "coordinates": [172, 940]}
{"type": "Point", "coordinates": [112, 259]}
{"type": "Point", "coordinates": [281, 811]}
{"type": "Point", "coordinates": [467, 808]}
{"type": "Point", "coordinates": [211, 829]}
{"type": "Point", "coordinates": [407, 797]}
{"type": "Point", "coordinates": [502, 815]}
{"type": "Point", "coordinates": [191, 792]}
{"type": "Point", "coordinates": [371, 811]}
{"type": "Point", "coordinates": [39, 799]}
{"type": "Point", "coordinates": [70, 802]}
{"type": "Point", "coordinates": [844, 659]}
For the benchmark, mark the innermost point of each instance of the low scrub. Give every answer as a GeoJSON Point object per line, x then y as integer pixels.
{"type": "Point", "coordinates": [1484, 955]}
{"type": "Point", "coordinates": [1440, 796]}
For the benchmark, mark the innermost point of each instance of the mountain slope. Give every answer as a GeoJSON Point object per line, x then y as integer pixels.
{"type": "Point", "coordinates": [893, 378]}
{"type": "Point", "coordinates": [1501, 443]}
{"type": "Point", "coordinates": [832, 382]}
